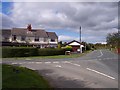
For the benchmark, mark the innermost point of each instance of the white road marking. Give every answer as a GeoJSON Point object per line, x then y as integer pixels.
{"type": "Point", "coordinates": [30, 62]}
{"type": "Point", "coordinates": [76, 78]}
{"type": "Point", "coordinates": [101, 54]}
{"type": "Point", "coordinates": [65, 62]}
{"type": "Point", "coordinates": [20, 63]}
{"type": "Point", "coordinates": [55, 62]}
{"type": "Point", "coordinates": [74, 64]}
{"type": "Point", "coordinates": [47, 62]}
{"type": "Point", "coordinates": [14, 63]}
{"type": "Point", "coordinates": [100, 73]}
{"type": "Point", "coordinates": [38, 62]}
{"type": "Point", "coordinates": [58, 66]}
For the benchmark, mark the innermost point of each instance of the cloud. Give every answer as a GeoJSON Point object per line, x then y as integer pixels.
{"type": "Point", "coordinates": [96, 18]}
{"type": "Point", "coordinates": [60, 0]}
{"type": "Point", "coordinates": [67, 38]}
{"type": "Point", "coordinates": [7, 22]}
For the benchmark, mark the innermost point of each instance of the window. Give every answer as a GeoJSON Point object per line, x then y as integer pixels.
{"type": "Point", "coordinates": [45, 39]}
{"type": "Point", "coordinates": [41, 39]}
{"type": "Point", "coordinates": [22, 38]}
{"type": "Point", "coordinates": [14, 37]}
{"type": "Point", "coordinates": [52, 40]}
{"type": "Point", "coordinates": [6, 39]}
{"type": "Point", "coordinates": [36, 38]}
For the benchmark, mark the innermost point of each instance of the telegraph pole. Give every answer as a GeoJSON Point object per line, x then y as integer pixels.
{"type": "Point", "coordinates": [80, 34]}
{"type": "Point", "coordinates": [80, 41]}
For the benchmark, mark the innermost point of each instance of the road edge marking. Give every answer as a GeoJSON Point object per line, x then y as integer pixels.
{"type": "Point", "coordinates": [100, 73]}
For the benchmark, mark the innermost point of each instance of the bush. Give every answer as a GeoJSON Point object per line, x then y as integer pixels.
{"type": "Point", "coordinates": [67, 48]}
{"type": "Point", "coordinates": [30, 51]}
{"type": "Point", "coordinates": [19, 52]}
{"type": "Point", "coordinates": [51, 52]}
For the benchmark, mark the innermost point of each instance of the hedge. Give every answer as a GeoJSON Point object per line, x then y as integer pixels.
{"type": "Point", "coordinates": [19, 52]}
{"type": "Point", "coordinates": [30, 51]}
{"type": "Point", "coordinates": [51, 52]}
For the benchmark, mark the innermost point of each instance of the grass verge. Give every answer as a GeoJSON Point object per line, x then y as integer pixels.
{"type": "Point", "coordinates": [54, 57]}
{"type": "Point", "coordinates": [114, 50]}
{"type": "Point", "coordinates": [20, 77]}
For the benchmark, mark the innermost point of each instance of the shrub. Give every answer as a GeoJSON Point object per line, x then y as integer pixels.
{"type": "Point", "coordinates": [67, 48]}
{"type": "Point", "coordinates": [30, 51]}
{"type": "Point", "coordinates": [51, 52]}
{"type": "Point", "coordinates": [19, 52]}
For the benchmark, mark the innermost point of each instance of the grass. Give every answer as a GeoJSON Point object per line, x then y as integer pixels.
{"type": "Point", "coordinates": [114, 50]}
{"type": "Point", "coordinates": [21, 78]}
{"type": "Point", "coordinates": [55, 57]}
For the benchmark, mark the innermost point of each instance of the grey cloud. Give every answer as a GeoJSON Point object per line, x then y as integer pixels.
{"type": "Point", "coordinates": [6, 21]}
{"type": "Point", "coordinates": [95, 17]}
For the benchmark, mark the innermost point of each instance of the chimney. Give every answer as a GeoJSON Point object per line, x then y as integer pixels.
{"type": "Point", "coordinates": [29, 28]}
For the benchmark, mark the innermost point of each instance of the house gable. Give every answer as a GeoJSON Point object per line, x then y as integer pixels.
{"type": "Point", "coordinates": [74, 44]}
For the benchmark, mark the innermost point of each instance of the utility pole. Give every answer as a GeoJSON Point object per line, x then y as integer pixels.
{"type": "Point", "coordinates": [80, 34]}
{"type": "Point", "coordinates": [80, 41]}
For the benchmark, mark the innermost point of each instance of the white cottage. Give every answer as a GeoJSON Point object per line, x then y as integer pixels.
{"type": "Point", "coordinates": [29, 36]}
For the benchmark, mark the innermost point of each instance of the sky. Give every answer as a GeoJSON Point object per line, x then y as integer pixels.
{"type": "Point", "coordinates": [96, 19]}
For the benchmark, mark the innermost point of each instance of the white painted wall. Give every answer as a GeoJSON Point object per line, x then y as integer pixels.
{"type": "Point", "coordinates": [9, 39]}
{"type": "Point", "coordinates": [31, 40]}
{"type": "Point", "coordinates": [56, 41]}
{"type": "Point", "coordinates": [74, 44]}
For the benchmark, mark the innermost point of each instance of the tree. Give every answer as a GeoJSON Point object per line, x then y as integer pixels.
{"type": "Point", "coordinates": [113, 39]}
{"type": "Point", "coordinates": [60, 44]}
{"type": "Point", "coordinates": [87, 46]}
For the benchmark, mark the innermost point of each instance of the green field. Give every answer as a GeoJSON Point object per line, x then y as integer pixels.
{"type": "Point", "coordinates": [20, 77]}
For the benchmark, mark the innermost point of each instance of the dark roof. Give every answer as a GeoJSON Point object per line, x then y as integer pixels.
{"type": "Point", "coordinates": [52, 35]}
{"type": "Point", "coordinates": [73, 41]}
{"type": "Point", "coordinates": [6, 32]}
{"type": "Point", "coordinates": [41, 33]}
{"type": "Point", "coordinates": [19, 31]}
{"type": "Point", "coordinates": [25, 32]}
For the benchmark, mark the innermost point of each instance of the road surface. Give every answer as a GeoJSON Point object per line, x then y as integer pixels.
{"type": "Point", "coordinates": [98, 69]}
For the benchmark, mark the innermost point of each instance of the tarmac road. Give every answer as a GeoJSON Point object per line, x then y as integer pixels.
{"type": "Point", "coordinates": [98, 69]}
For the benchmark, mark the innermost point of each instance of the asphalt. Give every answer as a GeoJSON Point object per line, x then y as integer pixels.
{"type": "Point", "coordinates": [97, 69]}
